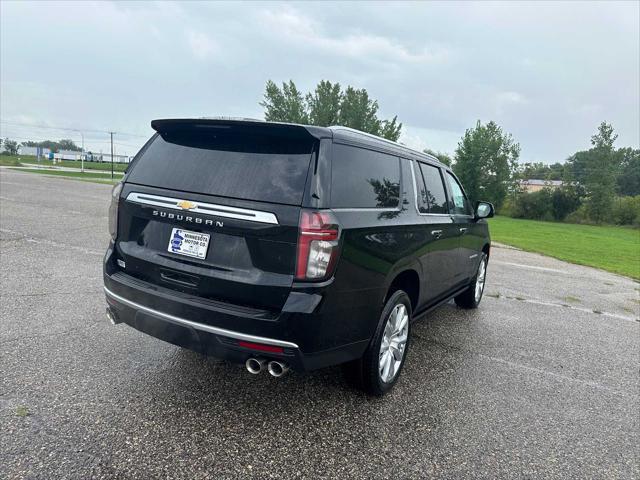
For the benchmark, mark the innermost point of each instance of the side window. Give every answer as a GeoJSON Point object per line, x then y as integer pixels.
{"type": "Point", "coordinates": [460, 204]}
{"type": "Point", "coordinates": [432, 192]}
{"type": "Point", "coordinates": [363, 178]}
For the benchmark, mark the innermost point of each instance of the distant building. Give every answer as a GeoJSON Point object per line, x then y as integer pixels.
{"type": "Point", "coordinates": [532, 185]}
{"type": "Point", "coordinates": [68, 155]}
{"type": "Point", "coordinates": [23, 150]}
{"type": "Point", "coordinates": [74, 155]}
{"type": "Point", "coordinates": [106, 157]}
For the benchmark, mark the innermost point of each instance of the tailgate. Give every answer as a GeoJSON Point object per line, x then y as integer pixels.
{"type": "Point", "coordinates": [239, 187]}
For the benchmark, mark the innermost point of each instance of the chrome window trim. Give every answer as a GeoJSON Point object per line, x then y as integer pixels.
{"type": "Point", "coordinates": [372, 209]}
{"type": "Point", "coordinates": [201, 326]}
{"type": "Point", "coordinates": [204, 208]}
{"type": "Point", "coordinates": [415, 191]}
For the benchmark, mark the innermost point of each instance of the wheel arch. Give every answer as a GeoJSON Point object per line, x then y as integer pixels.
{"type": "Point", "coordinates": [407, 280]}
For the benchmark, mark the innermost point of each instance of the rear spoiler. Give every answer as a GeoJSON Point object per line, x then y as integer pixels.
{"type": "Point", "coordinates": [258, 126]}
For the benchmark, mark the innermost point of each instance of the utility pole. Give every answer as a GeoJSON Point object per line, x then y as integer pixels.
{"type": "Point", "coordinates": [111, 133]}
{"type": "Point", "coordinates": [82, 154]}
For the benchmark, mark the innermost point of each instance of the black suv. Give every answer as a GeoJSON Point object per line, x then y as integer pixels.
{"type": "Point", "coordinates": [288, 246]}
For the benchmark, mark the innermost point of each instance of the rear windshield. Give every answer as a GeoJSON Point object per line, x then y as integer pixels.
{"type": "Point", "coordinates": [233, 162]}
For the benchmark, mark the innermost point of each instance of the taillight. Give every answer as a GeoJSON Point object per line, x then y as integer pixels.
{"type": "Point", "coordinates": [317, 245]}
{"type": "Point", "coordinates": [113, 210]}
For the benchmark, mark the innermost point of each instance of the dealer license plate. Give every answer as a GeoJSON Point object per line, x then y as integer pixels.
{"type": "Point", "coordinates": [191, 244]}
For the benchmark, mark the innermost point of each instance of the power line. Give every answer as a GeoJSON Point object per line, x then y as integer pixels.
{"type": "Point", "coordinates": [80, 130]}
{"type": "Point", "coordinates": [102, 142]}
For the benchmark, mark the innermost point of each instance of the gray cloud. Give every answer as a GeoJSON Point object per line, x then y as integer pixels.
{"type": "Point", "coordinates": [547, 72]}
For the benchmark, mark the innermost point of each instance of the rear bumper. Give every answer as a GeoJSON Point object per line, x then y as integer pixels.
{"type": "Point", "coordinates": [115, 299]}
{"type": "Point", "coordinates": [302, 333]}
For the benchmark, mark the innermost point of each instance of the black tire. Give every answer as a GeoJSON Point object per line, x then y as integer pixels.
{"type": "Point", "coordinates": [468, 299]}
{"type": "Point", "coordinates": [367, 368]}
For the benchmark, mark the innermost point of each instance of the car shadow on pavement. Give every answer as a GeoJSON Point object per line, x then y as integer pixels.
{"type": "Point", "coordinates": [200, 383]}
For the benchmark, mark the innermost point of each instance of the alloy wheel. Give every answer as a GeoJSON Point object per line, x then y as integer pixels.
{"type": "Point", "coordinates": [482, 272]}
{"type": "Point", "coordinates": [394, 342]}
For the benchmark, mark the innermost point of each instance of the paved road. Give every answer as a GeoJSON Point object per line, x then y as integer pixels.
{"type": "Point", "coordinates": [534, 384]}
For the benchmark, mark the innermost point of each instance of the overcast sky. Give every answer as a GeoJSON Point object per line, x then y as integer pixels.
{"type": "Point", "coordinates": [547, 73]}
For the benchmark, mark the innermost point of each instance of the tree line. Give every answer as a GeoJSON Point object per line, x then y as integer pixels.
{"type": "Point", "coordinates": [11, 147]}
{"type": "Point", "coordinates": [599, 185]}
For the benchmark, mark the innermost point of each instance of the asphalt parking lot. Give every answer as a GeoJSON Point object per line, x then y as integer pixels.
{"type": "Point", "coordinates": [541, 382]}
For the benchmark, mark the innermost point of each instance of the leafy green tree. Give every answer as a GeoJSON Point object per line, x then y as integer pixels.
{"type": "Point", "coordinates": [324, 104]}
{"type": "Point", "coordinates": [577, 166]}
{"type": "Point", "coordinates": [391, 129]}
{"type": "Point", "coordinates": [555, 171]}
{"type": "Point", "coordinates": [443, 157]}
{"type": "Point", "coordinates": [284, 105]}
{"type": "Point", "coordinates": [10, 146]}
{"type": "Point", "coordinates": [600, 175]}
{"type": "Point", "coordinates": [328, 105]}
{"type": "Point", "coordinates": [485, 162]}
{"type": "Point", "coordinates": [540, 171]}
{"type": "Point", "coordinates": [564, 201]}
{"type": "Point", "coordinates": [628, 182]}
{"type": "Point", "coordinates": [585, 167]}
{"type": "Point", "coordinates": [64, 144]}
{"type": "Point", "coordinates": [358, 111]}
{"type": "Point", "coordinates": [68, 144]}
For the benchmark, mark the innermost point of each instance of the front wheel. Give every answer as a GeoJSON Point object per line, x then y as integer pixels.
{"type": "Point", "coordinates": [472, 296]}
{"type": "Point", "coordinates": [382, 363]}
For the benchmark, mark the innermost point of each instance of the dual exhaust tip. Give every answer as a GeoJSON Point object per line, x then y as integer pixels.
{"type": "Point", "coordinates": [254, 365]}
{"type": "Point", "coordinates": [112, 316]}
{"type": "Point", "coordinates": [275, 368]}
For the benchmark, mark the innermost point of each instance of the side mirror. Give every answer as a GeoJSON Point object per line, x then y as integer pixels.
{"type": "Point", "coordinates": [484, 210]}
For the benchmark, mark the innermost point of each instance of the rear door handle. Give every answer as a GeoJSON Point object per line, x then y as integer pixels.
{"type": "Point", "coordinates": [463, 230]}
{"type": "Point", "coordinates": [436, 233]}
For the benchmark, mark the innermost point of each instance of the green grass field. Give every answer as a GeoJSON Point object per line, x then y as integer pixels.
{"type": "Point", "coordinates": [27, 159]}
{"type": "Point", "coordinates": [94, 177]}
{"type": "Point", "coordinates": [615, 249]}
{"type": "Point", "coordinates": [9, 161]}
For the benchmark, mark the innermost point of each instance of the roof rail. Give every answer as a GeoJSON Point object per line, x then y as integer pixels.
{"type": "Point", "coordinates": [364, 134]}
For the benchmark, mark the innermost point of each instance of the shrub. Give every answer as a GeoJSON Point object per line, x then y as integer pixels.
{"type": "Point", "coordinates": [545, 204]}
{"type": "Point", "coordinates": [579, 216]}
{"type": "Point", "coordinates": [508, 207]}
{"type": "Point", "coordinates": [563, 202]}
{"type": "Point", "coordinates": [626, 211]}
{"type": "Point", "coordinates": [535, 205]}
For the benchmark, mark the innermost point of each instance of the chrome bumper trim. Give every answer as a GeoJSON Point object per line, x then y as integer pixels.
{"type": "Point", "coordinates": [201, 326]}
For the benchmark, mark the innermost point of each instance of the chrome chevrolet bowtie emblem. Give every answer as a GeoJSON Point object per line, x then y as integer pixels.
{"type": "Point", "coordinates": [186, 204]}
